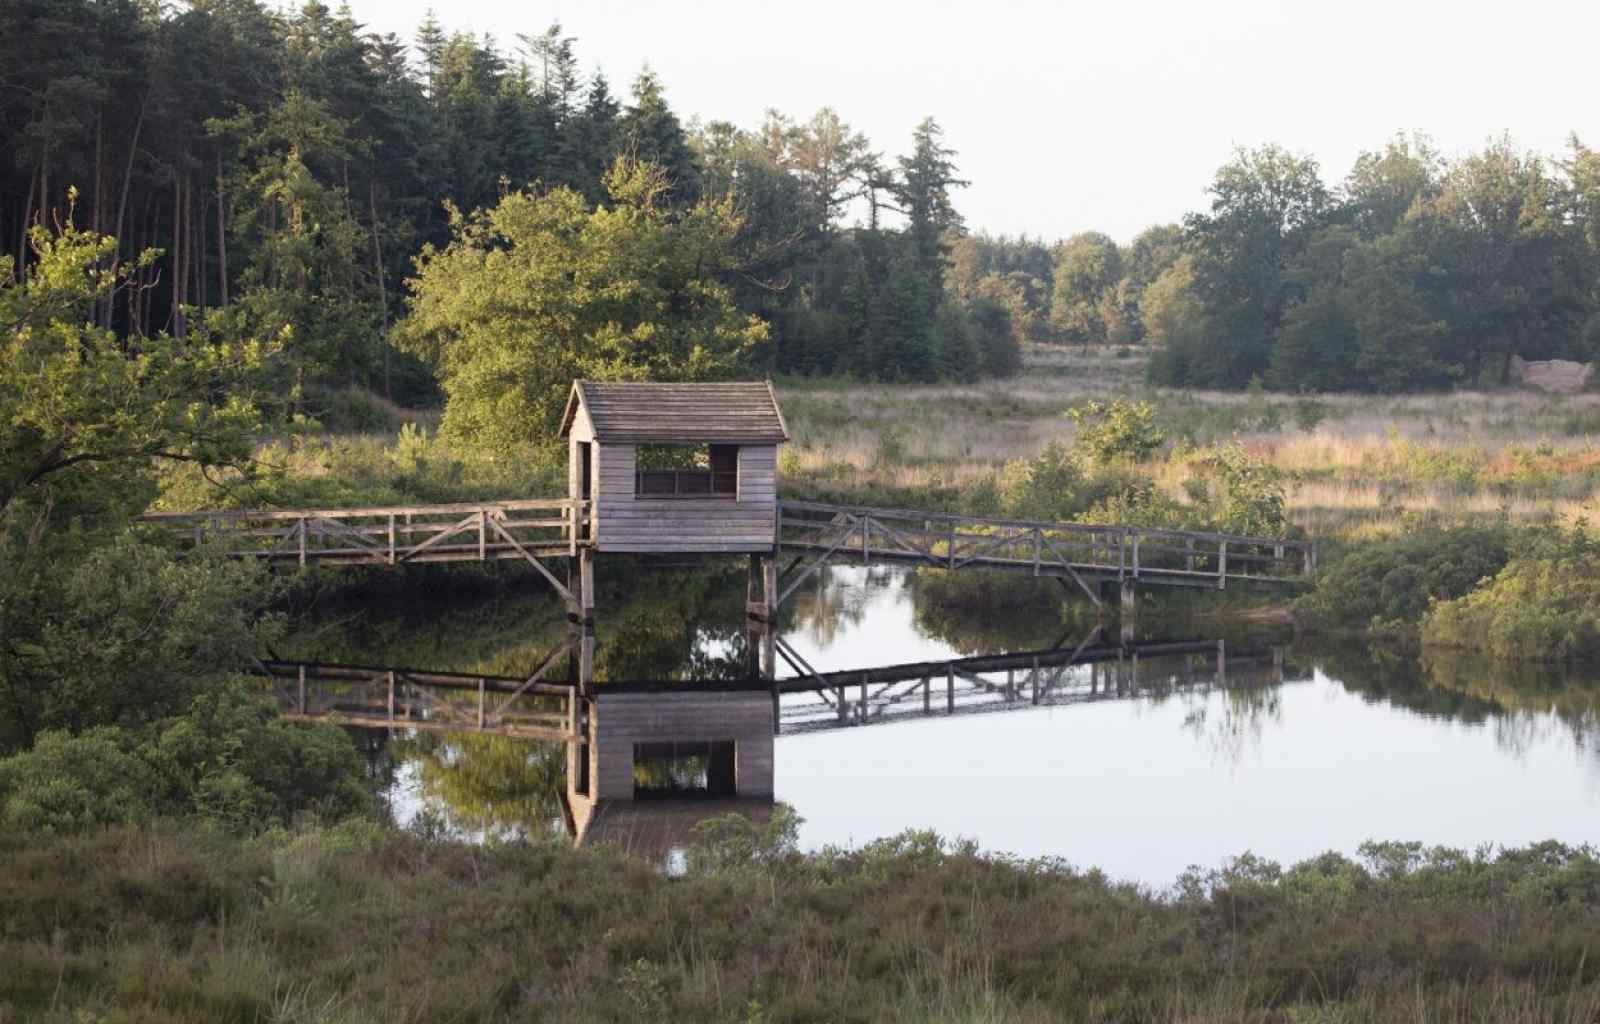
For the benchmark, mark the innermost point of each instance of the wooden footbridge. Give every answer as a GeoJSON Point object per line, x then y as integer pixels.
{"type": "Point", "coordinates": [718, 495]}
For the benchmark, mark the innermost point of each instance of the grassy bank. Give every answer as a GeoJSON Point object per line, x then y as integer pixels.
{"type": "Point", "coordinates": [360, 924]}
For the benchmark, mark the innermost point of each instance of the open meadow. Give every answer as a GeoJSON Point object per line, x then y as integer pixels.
{"type": "Point", "coordinates": [1354, 465]}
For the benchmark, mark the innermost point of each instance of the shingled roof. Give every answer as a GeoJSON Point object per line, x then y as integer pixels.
{"type": "Point", "coordinates": [744, 412]}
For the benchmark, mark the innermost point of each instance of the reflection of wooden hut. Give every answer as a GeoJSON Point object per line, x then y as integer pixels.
{"type": "Point", "coordinates": [634, 738]}
{"type": "Point", "coordinates": [676, 467]}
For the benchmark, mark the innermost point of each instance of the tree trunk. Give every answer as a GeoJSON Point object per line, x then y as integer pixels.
{"type": "Point", "coordinates": [22, 235]}
{"type": "Point", "coordinates": [202, 292]}
{"type": "Point", "coordinates": [122, 203]}
{"type": "Point", "coordinates": [175, 260]}
{"type": "Point", "coordinates": [383, 293]}
{"type": "Point", "coordinates": [222, 236]}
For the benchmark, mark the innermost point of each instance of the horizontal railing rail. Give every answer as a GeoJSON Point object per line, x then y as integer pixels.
{"type": "Point", "coordinates": [1077, 551]}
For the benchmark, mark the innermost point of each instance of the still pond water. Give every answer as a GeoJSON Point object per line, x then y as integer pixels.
{"type": "Point", "coordinates": [1140, 766]}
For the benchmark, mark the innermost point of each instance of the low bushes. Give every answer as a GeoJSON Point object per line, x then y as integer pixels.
{"type": "Point", "coordinates": [362, 924]}
{"type": "Point", "coordinates": [1540, 606]}
{"type": "Point", "coordinates": [1392, 582]}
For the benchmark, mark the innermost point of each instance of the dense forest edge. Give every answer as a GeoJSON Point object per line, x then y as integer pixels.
{"type": "Point", "coordinates": [252, 257]}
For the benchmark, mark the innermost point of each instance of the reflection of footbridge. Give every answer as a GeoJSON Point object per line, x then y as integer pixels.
{"type": "Point", "coordinates": [713, 741]}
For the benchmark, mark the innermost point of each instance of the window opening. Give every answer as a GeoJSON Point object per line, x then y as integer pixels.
{"type": "Point", "coordinates": [687, 471]}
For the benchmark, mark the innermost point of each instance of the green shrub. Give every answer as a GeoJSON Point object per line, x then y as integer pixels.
{"type": "Point", "coordinates": [1046, 486]}
{"type": "Point", "coordinates": [1393, 581]}
{"type": "Point", "coordinates": [1119, 431]}
{"type": "Point", "coordinates": [67, 783]}
{"type": "Point", "coordinates": [1253, 501]}
{"type": "Point", "coordinates": [229, 761]}
{"type": "Point", "coordinates": [1535, 608]}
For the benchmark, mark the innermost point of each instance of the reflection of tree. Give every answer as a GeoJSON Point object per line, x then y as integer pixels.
{"type": "Point", "coordinates": [1520, 699]}
{"type": "Point", "coordinates": [1234, 725]}
{"type": "Point", "coordinates": [1529, 696]}
{"type": "Point", "coordinates": [986, 612]}
{"type": "Point", "coordinates": [673, 623]}
{"type": "Point", "coordinates": [491, 783]}
{"type": "Point", "coordinates": [438, 623]}
{"type": "Point", "coordinates": [831, 599]}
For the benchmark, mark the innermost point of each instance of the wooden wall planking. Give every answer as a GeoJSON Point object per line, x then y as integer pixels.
{"type": "Point", "coordinates": [744, 522]}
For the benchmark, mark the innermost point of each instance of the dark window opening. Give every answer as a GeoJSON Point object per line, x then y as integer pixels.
{"type": "Point", "coordinates": [683, 769]}
{"type": "Point", "coordinates": [585, 470]}
{"type": "Point", "coordinates": [687, 471]}
{"type": "Point", "coordinates": [582, 783]}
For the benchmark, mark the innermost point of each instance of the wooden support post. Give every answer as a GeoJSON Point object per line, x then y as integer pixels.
{"type": "Point", "coordinates": [483, 534]}
{"type": "Point", "coordinates": [1038, 543]}
{"type": "Point", "coordinates": [1035, 687]}
{"type": "Point", "coordinates": [952, 551]}
{"type": "Point", "coordinates": [1222, 566]}
{"type": "Point", "coordinates": [950, 691]}
{"type": "Point", "coordinates": [481, 683]}
{"type": "Point", "coordinates": [586, 613]}
{"type": "Point", "coordinates": [1222, 664]}
{"type": "Point", "coordinates": [302, 528]}
{"type": "Point", "coordinates": [927, 695]}
{"type": "Point", "coordinates": [1188, 554]}
{"type": "Point", "coordinates": [391, 538]}
{"type": "Point", "coordinates": [391, 697]}
{"type": "Point", "coordinates": [302, 689]}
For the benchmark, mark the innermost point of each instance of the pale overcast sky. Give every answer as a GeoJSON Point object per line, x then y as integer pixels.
{"type": "Point", "coordinates": [1106, 116]}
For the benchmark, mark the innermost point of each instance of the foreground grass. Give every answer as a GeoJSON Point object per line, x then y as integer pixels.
{"type": "Point", "coordinates": [365, 924]}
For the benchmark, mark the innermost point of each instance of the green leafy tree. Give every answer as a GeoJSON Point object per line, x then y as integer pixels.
{"type": "Point", "coordinates": [1265, 205]}
{"type": "Point", "coordinates": [83, 413]}
{"type": "Point", "coordinates": [1087, 267]}
{"type": "Point", "coordinates": [543, 289]}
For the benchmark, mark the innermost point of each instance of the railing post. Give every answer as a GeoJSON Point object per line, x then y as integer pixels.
{"type": "Point", "coordinates": [1188, 557]}
{"type": "Point", "coordinates": [952, 551]}
{"type": "Point", "coordinates": [480, 702]}
{"type": "Point", "coordinates": [866, 533]}
{"type": "Point", "coordinates": [483, 530]}
{"type": "Point", "coordinates": [1038, 542]}
{"type": "Point", "coordinates": [302, 689]}
{"type": "Point", "coordinates": [1136, 539]}
{"type": "Point", "coordinates": [302, 527]}
{"type": "Point", "coordinates": [391, 538]}
{"type": "Point", "coordinates": [950, 691]}
{"type": "Point", "coordinates": [391, 696]}
{"type": "Point", "coordinates": [1222, 566]}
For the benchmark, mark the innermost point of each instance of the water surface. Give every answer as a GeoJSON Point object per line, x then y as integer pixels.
{"type": "Point", "coordinates": [1142, 769]}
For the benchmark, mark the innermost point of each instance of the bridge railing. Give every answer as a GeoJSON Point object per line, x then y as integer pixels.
{"type": "Point", "coordinates": [390, 535]}
{"type": "Point", "coordinates": [413, 699]}
{"type": "Point", "coordinates": [1041, 548]}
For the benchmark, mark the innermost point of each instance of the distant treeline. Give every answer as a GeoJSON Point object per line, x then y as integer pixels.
{"type": "Point", "coordinates": [290, 167]}
{"type": "Point", "coordinates": [1417, 272]}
